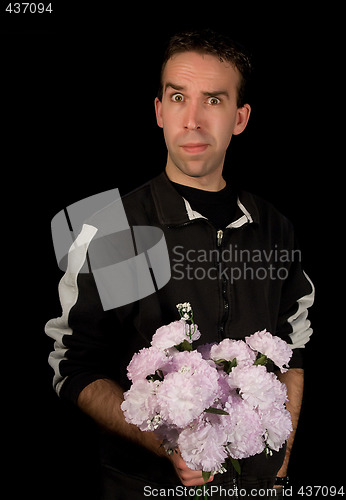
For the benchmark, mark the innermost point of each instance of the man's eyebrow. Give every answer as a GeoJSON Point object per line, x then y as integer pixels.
{"type": "Point", "coordinates": [174, 86]}
{"type": "Point", "coordinates": [216, 93]}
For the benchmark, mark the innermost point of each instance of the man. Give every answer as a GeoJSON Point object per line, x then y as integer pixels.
{"type": "Point", "coordinates": [218, 240]}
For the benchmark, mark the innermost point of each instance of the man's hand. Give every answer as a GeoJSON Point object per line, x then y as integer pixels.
{"type": "Point", "coordinates": [187, 476]}
{"type": "Point", "coordinates": [294, 381]}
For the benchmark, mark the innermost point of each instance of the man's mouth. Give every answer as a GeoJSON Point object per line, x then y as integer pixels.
{"type": "Point", "coordinates": [194, 147]}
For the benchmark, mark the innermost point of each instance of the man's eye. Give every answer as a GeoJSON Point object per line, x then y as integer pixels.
{"type": "Point", "coordinates": [213, 101]}
{"type": "Point", "coordinates": [177, 97]}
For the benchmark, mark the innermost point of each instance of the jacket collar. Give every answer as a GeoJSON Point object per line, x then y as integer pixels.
{"type": "Point", "coordinates": [173, 210]}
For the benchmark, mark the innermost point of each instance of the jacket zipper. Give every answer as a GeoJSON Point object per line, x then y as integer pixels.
{"type": "Point", "coordinates": [219, 236]}
{"type": "Point", "coordinates": [224, 287]}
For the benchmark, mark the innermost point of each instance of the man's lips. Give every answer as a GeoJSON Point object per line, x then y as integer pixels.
{"type": "Point", "coordinates": [194, 147]}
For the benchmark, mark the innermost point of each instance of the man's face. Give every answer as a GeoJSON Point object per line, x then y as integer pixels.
{"type": "Point", "coordinates": [198, 112]}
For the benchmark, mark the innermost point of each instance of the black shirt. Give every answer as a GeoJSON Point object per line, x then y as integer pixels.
{"type": "Point", "coordinates": [217, 206]}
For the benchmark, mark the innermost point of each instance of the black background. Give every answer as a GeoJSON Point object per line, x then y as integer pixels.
{"type": "Point", "coordinates": [77, 99]}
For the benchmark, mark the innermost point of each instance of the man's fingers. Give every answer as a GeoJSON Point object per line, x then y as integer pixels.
{"type": "Point", "coordinates": [187, 476]}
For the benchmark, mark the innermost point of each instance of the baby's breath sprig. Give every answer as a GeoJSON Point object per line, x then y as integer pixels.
{"type": "Point", "coordinates": [186, 314]}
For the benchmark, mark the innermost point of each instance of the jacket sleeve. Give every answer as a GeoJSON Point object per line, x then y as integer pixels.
{"type": "Point", "coordinates": [82, 334]}
{"type": "Point", "coordinates": [296, 297]}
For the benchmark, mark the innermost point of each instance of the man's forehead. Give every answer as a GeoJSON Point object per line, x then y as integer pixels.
{"type": "Point", "coordinates": [191, 67]}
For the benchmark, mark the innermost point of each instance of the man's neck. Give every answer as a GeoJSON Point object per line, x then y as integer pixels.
{"type": "Point", "coordinates": [211, 182]}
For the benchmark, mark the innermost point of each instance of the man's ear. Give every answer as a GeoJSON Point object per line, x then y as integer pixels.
{"type": "Point", "coordinates": [158, 111]}
{"type": "Point", "coordinates": [243, 115]}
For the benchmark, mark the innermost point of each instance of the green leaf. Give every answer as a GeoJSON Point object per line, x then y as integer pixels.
{"type": "Point", "coordinates": [227, 365]}
{"type": "Point", "coordinates": [262, 360]}
{"type": "Point", "coordinates": [184, 346]}
{"type": "Point", "coordinates": [232, 364]}
{"type": "Point", "coordinates": [206, 476]}
{"type": "Point", "coordinates": [235, 464]}
{"type": "Point", "coordinates": [216, 411]}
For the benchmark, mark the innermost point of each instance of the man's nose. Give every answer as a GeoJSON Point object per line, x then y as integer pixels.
{"type": "Point", "coordinates": [193, 117]}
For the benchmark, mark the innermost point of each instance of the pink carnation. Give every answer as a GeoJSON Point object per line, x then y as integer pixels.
{"type": "Point", "coordinates": [188, 390]}
{"type": "Point", "coordinates": [261, 389]}
{"type": "Point", "coordinates": [277, 425]}
{"type": "Point", "coordinates": [229, 349]}
{"type": "Point", "coordinates": [140, 404]}
{"type": "Point", "coordinates": [193, 362]}
{"type": "Point", "coordinates": [202, 446]}
{"type": "Point", "coordinates": [224, 389]}
{"type": "Point", "coordinates": [173, 334]}
{"type": "Point", "coordinates": [244, 427]}
{"type": "Point", "coordinates": [145, 363]}
{"type": "Point", "coordinates": [273, 347]}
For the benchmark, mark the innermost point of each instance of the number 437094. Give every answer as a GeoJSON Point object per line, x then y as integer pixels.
{"type": "Point", "coordinates": [28, 7]}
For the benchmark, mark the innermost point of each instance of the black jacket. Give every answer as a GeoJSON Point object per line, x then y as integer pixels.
{"type": "Point", "coordinates": [239, 279]}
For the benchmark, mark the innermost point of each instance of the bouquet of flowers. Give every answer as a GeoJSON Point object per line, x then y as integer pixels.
{"type": "Point", "coordinates": [214, 402]}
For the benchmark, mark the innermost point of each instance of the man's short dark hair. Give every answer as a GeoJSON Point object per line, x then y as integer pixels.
{"type": "Point", "coordinates": [212, 43]}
